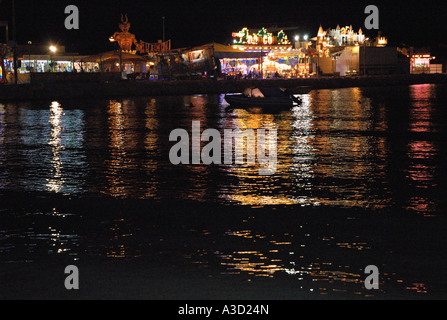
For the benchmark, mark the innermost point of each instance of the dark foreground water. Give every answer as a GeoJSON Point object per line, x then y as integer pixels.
{"type": "Point", "coordinates": [360, 180]}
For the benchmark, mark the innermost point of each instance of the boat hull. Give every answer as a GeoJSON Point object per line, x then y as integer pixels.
{"type": "Point", "coordinates": [239, 100]}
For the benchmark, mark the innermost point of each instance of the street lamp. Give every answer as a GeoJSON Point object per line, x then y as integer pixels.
{"type": "Point", "coordinates": [306, 37]}
{"type": "Point", "coordinates": [29, 55]}
{"type": "Point", "coordinates": [53, 49]}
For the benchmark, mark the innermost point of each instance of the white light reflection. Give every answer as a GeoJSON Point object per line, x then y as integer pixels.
{"type": "Point", "coordinates": [303, 151]}
{"type": "Point", "coordinates": [55, 184]}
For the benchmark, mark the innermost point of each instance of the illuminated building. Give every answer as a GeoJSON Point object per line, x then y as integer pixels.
{"type": "Point", "coordinates": [343, 52]}
{"type": "Point", "coordinates": [251, 54]}
{"type": "Point", "coordinates": [420, 63]}
{"type": "Point", "coordinates": [419, 60]}
{"type": "Point", "coordinates": [341, 36]}
{"type": "Point", "coordinates": [277, 55]}
{"type": "Point", "coordinates": [215, 57]}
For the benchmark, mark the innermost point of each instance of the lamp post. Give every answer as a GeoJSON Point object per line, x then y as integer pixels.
{"type": "Point", "coordinates": [29, 55]}
{"type": "Point", "coordinates": [53, 49]}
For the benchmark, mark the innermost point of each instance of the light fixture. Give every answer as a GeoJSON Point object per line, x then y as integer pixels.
{"type": "Point", "coordinates": [53, 49]}
{"type": "Point", "coordinates": [297, 38]}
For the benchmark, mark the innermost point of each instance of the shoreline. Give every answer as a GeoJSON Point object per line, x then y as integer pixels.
{"type": "Point", "coordinates": [127, 88]}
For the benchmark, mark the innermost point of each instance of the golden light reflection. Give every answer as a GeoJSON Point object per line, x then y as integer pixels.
{"type": "Point", "coordinates": [151, 145]}
{"type": "Point", "coordinates": [284, 254]}
{"type": "Point", "coordinates": [418, 288]}
{"type": "Point", "coordinates": [197, 177]}
{"type": "Point", "coordinates": [326, 138]}
{"type": "Point", "coordinates": [254, 189]}
{"type": "Point", "coordinates": [117, 245]}
{"type": "Point", "coordinates": [344, 151]}
{"type": "Point", "coordinates": [116, 147]}
{"type": "Point", "coordinates": [125, 135]}
{"type": "Point", "coordinates": [56, 183]}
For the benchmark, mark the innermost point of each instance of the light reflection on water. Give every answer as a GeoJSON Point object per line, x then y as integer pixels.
{"type": "Point", "coordinates": [342, 149]}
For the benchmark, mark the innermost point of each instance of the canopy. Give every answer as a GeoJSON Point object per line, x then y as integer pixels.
{"type": "Point", "coordinates": [114, 56]}
{"type": "Point", "coordinates": [223, 51]}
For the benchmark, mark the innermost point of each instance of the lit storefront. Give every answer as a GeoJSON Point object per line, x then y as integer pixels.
{"type": "Point", "coordinates": [251, 55]}
{"type": "Point", "coordinates": [240, 66]}
{"type": "Point", "coordinates": [227, 60]}
{"type": "Point", "coordinates": [420, 63]}
{"type": "Point", "coordinates": [287, 64]}
{"type": "Point", "coordinates": [47, 63]}
{"type": "Point", "coordinates": [279, 57]}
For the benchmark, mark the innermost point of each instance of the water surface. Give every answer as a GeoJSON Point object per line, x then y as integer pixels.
{"type": "Point", "coordinates": [360, 181]}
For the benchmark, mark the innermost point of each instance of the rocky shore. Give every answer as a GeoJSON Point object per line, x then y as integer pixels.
{"type": "Point", "coordinates": [126, 88]}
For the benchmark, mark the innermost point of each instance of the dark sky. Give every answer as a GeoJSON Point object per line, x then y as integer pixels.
{"type": "Point", "coordinates": [190, 23]}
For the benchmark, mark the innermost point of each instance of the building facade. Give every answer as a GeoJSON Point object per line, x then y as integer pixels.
{"type": "Point", "coordinates": [344, 52]}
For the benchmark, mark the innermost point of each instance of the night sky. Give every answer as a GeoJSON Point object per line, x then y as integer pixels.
{"type": "Point", "coordinates": [189, 23]}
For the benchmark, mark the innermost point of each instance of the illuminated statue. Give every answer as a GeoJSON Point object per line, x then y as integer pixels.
{"type": "Point", "coordinates": [124, 38]}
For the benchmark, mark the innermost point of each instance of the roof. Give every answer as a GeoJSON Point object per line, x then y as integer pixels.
{"type": "Point", "coordinates": [111, 56]}
{"type": "Point", "coordinates": [223, 51]}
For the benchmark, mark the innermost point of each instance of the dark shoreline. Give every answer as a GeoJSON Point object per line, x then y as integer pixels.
{"type": "Point", "coordinates": [127, 88]}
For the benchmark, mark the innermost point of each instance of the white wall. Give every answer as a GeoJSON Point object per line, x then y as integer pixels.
{"type": "Point", "coordinates": [348, 61]}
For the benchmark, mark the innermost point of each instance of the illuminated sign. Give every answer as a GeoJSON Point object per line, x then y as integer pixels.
{"type": "Point", "coordinates": [262, 37]}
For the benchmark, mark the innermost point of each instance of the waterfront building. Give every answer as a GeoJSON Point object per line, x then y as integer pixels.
{"type": "Point", "coordinates": [277, 55]}
{"type": "Point", "coordinates": [420, 63]}
{"type": "Point", "coordinates": [343, 52]}
{"type": "Point", "coordinates": [420, 60]}
{"type": "Point", "coordinates": [216, 58]}
{"type": "Point", "coordinates": [341, 36]}
{"type": "Point", "coordinates": [39, 58]}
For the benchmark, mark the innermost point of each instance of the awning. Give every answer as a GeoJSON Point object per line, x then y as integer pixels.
{"type": "Point", "coordinates": [114, 57]}
{"type": "Point", "coordinates": [222, 51]}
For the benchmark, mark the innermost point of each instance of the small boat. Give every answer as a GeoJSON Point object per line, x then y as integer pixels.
{"type": "Point", "coordinates": [240, 100]}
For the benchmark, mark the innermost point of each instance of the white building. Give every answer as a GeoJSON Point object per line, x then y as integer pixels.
{"type": "Point", "coordinates": [341, 36]}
